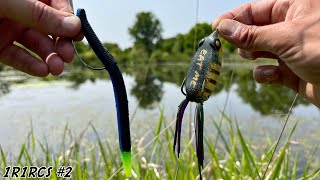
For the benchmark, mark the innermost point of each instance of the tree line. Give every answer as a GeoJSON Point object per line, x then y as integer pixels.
{"type": "Point", "coordinates": [149, 44]}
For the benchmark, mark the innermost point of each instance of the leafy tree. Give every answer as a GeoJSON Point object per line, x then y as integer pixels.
{"type": "Point", "coordinates": [228, 47]}
{"type": "Point", "coordinates": [263, 98]}
{"type": "Point", "coordinates": [115, 50]}
{"type": "Point", "coordinates": [147, 89]}
{"type": "Point", "coordinates": [203, 30]}
{"type": "Point", "coordinates": [178, 44]}
{"type": "Point", "coordinates": [146, 31]}
{"type": "Point", "coordinates": [166, 45]}
{"type": "Point", "coordinates": [138, 54]}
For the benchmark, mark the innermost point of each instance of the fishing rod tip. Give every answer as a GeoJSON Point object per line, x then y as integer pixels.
{"type": "Point", "coordinates": [127, 163]}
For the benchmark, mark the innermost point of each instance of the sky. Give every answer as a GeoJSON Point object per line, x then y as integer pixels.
{"type": "Point", "coordinates": [111, 18]}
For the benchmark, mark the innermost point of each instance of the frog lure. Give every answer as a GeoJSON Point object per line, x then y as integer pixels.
{"type": "Point", "coordinates": [199, 84]}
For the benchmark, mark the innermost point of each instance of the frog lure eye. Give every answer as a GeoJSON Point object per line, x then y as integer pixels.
{"type": "Point", "coordinates": [197, 86]}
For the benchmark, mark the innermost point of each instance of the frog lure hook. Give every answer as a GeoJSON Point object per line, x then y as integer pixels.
{"type": "Point", "coordinates": [197, 86]}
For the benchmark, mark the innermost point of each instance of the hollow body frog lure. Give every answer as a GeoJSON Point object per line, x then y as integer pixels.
{"type": "Point", "coordinates": [197, 86]}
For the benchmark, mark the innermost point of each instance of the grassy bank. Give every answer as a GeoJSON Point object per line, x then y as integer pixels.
{"type": "Point", "coordinates": [231, 158]}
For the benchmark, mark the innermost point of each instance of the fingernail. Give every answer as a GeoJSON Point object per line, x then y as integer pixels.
{"type": "Point", "coordinates": [55, 64]}
{"type": "Point", "coordinates": [246, 55]}
{"type": "Point", "coordinates": [268, 73]}
{"type": "Point", "coordinates": [227, 27]}
{"type": "Point", "coordinates": [69, 23]}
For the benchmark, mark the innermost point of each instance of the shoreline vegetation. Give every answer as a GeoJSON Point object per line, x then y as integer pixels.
{"type": "Point", "coordinates": [233, 157]}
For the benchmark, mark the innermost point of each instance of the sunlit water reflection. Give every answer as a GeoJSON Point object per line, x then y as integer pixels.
{"type": "Point", "coordinates": [52, 105]}
{"type": "Point", "coordinates": [83, 97]}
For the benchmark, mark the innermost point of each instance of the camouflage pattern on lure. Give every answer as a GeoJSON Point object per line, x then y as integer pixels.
{"type": "Point", "coordinates": [119, 90]}
{"type": "Point", "coordinates": [199, 84]}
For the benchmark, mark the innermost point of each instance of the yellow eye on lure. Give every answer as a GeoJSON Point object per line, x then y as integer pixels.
{"type": "Point", "coordinates": [199, 84]}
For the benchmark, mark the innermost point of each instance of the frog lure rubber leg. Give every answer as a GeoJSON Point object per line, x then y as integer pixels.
{"type": "Point", "coordinates": [199, 84]}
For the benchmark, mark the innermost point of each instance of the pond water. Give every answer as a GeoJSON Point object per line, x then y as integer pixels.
{"type": "Point", "coordinates": [80, 97]}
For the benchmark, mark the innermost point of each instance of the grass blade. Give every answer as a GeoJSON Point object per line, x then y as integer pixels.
{"type": "Point", "coordinates": [294, 169]}
{"type": "Point", "coordinates": [276, 170]}
{"type": "Point", "coordinates": [247, 155]}
{"type": "Point", "coordinates": [3, 158]}
{"type": "Point", "coordinates": [306, 170]}
{"type": "Point", "coordinates": [156, 134]}
{"type": "Point", "coordinates": [21, 153]}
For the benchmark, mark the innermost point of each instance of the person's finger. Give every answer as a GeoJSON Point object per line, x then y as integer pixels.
{"type": "Point", "coordinates": [37, 42]}
{"type": "Point", "coordinates": [310, 92]}
{"type": "Point", "coordinates": [9, 31]}
{"type": "Point", "coordinates": [257, 13]}
{"type": "Point", "coordinates": [43, 46]}
{"type": "Point", "coordinates": [38, 15]}
{"type": "Point", "coordinates": [55, 64]}
{"type": "Point", "coordinates": [62, 5]}
{"type": "Point", "coordinates": [78, 37]}
{"type": "Point", "coordinates": [65, 49]}
{"type": "Point", "coordinates": [64, 45]}
{"type": "Point", "coordinates": [267, 74]}
{"type": "Point", "coordinates": [20, 59]}
{"type": "Point", "coordinates": [257, 38]}
{"type": "Point", "coordinates": [65, 5]}
{"type": "Point", "coordinates": [256, 54]}
{"type": "Point", "coordinates": [280, 75]}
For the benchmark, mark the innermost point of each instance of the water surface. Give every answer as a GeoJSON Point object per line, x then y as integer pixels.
{"type": "Point", "coordinates": [80, 97]}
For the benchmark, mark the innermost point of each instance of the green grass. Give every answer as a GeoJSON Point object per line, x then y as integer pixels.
{"type": "Point", "coordinates": [232, 158]}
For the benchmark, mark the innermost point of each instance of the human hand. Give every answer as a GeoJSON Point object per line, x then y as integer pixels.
{"type": "Point", "coordinates": [43, 26]}
{"type": "Point", "coordinates": [286, 30]}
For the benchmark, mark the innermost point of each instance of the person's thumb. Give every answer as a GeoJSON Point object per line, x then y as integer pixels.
{"type": "Point", "coordinates": [267, 74]}
{"type": "Point", "coordinates": [251, 37]}
{"type": "Point", "coordinates": [37, 15]}
{"type": "Point", "coordinates": [281, 75]}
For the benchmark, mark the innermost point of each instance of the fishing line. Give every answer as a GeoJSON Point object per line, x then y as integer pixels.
{"type": "Point", "coordinates": [225, 105]}
{"type": "Point", "coordinates": [229, 89]}
{"type": "Point", "coordinates": [196, 27]}
{"type": "Point", "coordinates": [148, 68]}
{"type": "Point", "coordinates": [279, 138]}
{"type": "Point", "coordinates": [228, 94]}
{"type": "Point", "coordinates": [83, 62]}
{"type": "Point", "coordinates": [244, 8]}
{"type": "Point", "coordinates": [286, 121]}
{"type": "Point", "coordinates": [191, 135]}
{"type": "Point", "coordinates": [75, 49]}
{"type": "Point", "coordinates": [140, 98]}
